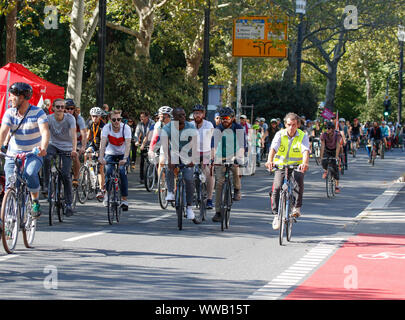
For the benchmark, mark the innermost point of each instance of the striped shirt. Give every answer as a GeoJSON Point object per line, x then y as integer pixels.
{"type": "Point", "coordinates": [28, 135]}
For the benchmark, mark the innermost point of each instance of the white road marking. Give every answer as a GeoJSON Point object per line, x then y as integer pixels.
{"type": "Point", "coordinates": [278, 287]}
{"type": "Point", "coordinates": [158, 218]}
{"type": "Point", "coordinates": [94, 234]}
{"type": "Point", "coordinates": [8, 257]}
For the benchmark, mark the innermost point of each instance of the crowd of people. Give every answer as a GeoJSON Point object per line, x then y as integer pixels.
{"type": "Point", "coordinates": [59, 128]}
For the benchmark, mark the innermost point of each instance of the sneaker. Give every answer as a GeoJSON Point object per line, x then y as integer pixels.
{"type": "Point", "coordinates": [68, 211]}
{"type": "Point", "coordinates": [237, 195]}
{"type": "Point", "coordinates": [124, 205]}
{"type": "Point", "coordinates": [276, 223]}
{"type": "Point", "coordinates": [324, 175]}
{"type": "Point", "coordinates": [296, 212]}
{"type": "Point", "coordinates": [209, 204]}
{"type": "Point", "coordinates": [36, 209]}
{"type": "Point", "coordinates": [337, 189]}
{"type": "Point", "coordinates": [169, 196]}
{"type": "Point", "coordinates": [217, 217]}
{"type": "Point", "coordinates": [190, 213]}
{"type": "Point", "coordinates": [105, 202]}
{"type": "Point", "coordinates": [100, 195]}
{"type": "Point", "coordinates": [75, 183]}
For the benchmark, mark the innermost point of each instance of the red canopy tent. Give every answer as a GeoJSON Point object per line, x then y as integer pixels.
{"type": "Point", "coordinates": [14, 72]}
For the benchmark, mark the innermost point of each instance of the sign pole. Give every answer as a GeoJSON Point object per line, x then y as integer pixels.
{"type": "Point", "coordinates": [239, 91]}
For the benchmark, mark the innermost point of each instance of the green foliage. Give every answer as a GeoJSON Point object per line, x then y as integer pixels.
{"type": "Point", "coordinates": [274, 99]}
{"type": "Point", "coordinates": [349, 99]}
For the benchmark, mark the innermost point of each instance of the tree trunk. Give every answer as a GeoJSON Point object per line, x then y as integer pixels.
{"type": "Point", "coordinates": [11, 37]}
{"type": "Point", "coordinates": [368, 84]}
{"type": "Point", "coordinates": [194, 55]}
{"type": "Point", "coordinates": [80, 36]}
{"type": "Point", "coordinates": [146, 28]}
{"type": "Point", "coordinates": [331, 84]}
{"type": "Point", "coordinates": [289, 72]}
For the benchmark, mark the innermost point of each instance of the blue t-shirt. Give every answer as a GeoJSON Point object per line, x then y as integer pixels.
{"type": "Point", "coordinates": [28, 135]}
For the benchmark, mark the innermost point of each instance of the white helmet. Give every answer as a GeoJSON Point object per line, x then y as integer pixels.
{"type": "Point", "coordinates": [96, 111]}
{"type": "Point", "coordinates": [342, 119]}
{"type": "Point", "coordinates": [165, 109]}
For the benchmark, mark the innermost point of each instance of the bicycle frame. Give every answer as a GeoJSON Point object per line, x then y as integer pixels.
{"type": "Point", "coordinates": [113, 185]}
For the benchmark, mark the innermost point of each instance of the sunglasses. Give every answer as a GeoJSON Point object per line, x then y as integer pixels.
{"type": "Point", "coordinates": [70, 109]}
{"type": "Point", "coordinates": [226, 118]}
{"type": "Point", "coordinates": [116, 119]}
{"type": "Point", "coordinates": [59, 107]}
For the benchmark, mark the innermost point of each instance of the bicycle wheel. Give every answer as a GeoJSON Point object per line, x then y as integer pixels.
{"type": "Point", "coordinates": [84, 187]}
{"type": "Point", "coordinates": [342, 164]}
{"type": "Point", "coordinates": [162, 189]}
{"type": "Point", "coordinates": [330, 185]}
{"type": "Point", "coordinates": [382, 150]}
{"type": "Point", "coordinates": [317, 155]}
{"type": "Point", "coordinates": [10, 221]}
{"type": "Point", "coordinates": [110, 206]}
{"type": "Point", "coordinates": [203, 194]}
{"type": "Point", "coordinates": [224, 203]}
{"type": "Point", "coordinates": [117, 202]}
{"type": "Point", "coordinates": [289, 222]}
{"type": "Point", "coordinates": [180, 205]}
{"type": "Point", "coordinates": [52, 200]}
{"type": "Point", "coordinates": [228, 207]}
{"type": "Point", "coordinates": [60, 196]}
{"type": "Point", "coordinates": [29, 225]}
{"type": "Point", "coordinates": [150, 177]}
{"type": "Point", "coordinates": [281, 216]}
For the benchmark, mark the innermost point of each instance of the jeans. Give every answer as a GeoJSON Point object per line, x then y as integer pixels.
{"type": "Point", "coordinates": [66, 171]}
{"type": "Point", "coordinates": [32, 166]}
{"type": "Point", "coordinates": [298, 183]}
{"type": "Point", "coordinates": [188, 176]}
{"type": "Point", "coordinates": [123, 174]}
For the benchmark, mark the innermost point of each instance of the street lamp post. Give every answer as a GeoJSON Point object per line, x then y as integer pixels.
{"type": "Point", "coordinates": [101, 53]}
{"type": "Point", "coordinates": [401, 39]}
{"type": "Point", "coordinates": [300, 6]}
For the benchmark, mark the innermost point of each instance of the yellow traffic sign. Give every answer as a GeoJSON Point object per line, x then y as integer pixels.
{"type": "Point", "coordinates": [260, 37]}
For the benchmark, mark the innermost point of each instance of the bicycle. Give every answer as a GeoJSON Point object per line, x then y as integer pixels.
{"type": "Point", "coordinates": [180, 196]}
{"type": "Point", "coordinates": [114, 194]}
{"type": "Point", "coordinates": [201, 193]}
{"type": "Point", "coordinates": [354, 146]}
{"type": "Point", "coordinates": [162, 187]}
{"type": "Point", "coordinates": [286, 203]}
{"type": "Point", "coordinates": [16, 208]}
{"type": "Point", "coordinates": [373, 152]}
{"type": "Point", "coordinates": [330, 180]}
{"type": "Point", "coordinates": [89, 185]}
{"type": "Point", "coordinates": [226, 196]}
{"type": "Point", "coordinates": [316, 150]}
{"type": "Point", "coordinates": [151, 174]}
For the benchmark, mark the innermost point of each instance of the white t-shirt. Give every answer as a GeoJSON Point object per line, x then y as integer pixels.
{"type": "Point", "coordinates": [116, 140]}
{"type": "Point", "coordinates": [205, 135]}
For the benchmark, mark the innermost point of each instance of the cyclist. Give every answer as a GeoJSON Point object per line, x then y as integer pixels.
{"type": "Point", "coordinates": [290, 146]}
{"type": "Point", "coordinates": [229, 143]}
{"type": "Point", "coordinates": [26, 127]}
{"type": "Point", "coordinates": [375, 135]}
{"type": "Point", "coordinates": [344, 131]}
{"type": "Point", "coordinates": [94, 128]}
{"type": "Point", "coordinates": [115, 146]}
{"type": "Point", "coordinates": [142, 131]}
{"type": "Point", "coordinates": [330, 147]}
{"type": "Point", "coordinates": [175, 138]}
{"type": "Point", "coordinates": [165, 115]}
{"type": "Point", "coordinates": [62, 127]}
{"type": "Point", "coordinates": [204, 147]}
{"type": "Point", "coordinates": [72, 109]}
{"type": "Point", "coordinates": [386, 133]}
{"type": "Point", "coordinates": [356, 132]}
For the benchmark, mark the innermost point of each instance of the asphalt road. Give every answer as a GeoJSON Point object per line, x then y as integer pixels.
{"type": "Point", "coordinates": [145, 256]}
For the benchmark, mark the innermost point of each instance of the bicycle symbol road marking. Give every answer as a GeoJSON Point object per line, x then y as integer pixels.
{"type": "Point", "coordinates": [382, 256]}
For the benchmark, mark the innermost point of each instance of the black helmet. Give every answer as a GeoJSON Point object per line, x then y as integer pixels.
{"type": "Point", "coordinates": [198, 107]}
{"type": "Point", "coordinates": [226, 111]}
{"type": "Point", "coordinates": [329, 124]}
{"type": "Point", "coordinates": [70, 103]}
{"type": "Point", "coordinates": [21, 89]}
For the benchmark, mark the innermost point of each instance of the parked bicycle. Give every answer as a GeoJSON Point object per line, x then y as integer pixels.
{"type": "Point", "coordinates": [56, 189]}
{"type": "Point", "coordinates": [16, 208]}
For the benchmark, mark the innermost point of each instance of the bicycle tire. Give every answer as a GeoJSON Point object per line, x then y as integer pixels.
{"type": "Point", "coordinates": [110, 198]}
{"type": "Point", "coordinates": [179, 205]}
{"type": "Point", "coordinates": [330, 185]}
{"type": "Point", "coordinates": [203, 201]}
{"type": "Point", "coordinates": [29, 225]}
{"type": "Point", "coordinates": [228, 207]}
{"type": "Point", "coordinates": [281, 217]}
{"type": "Point", "coordinates": [117, 207]}
{"type": "Point", "coordinates": [382, 152]}
{"type": "Point", "coordinates": [52, 200]}
{"type": "Point", "coordinates": [60, 208]}
{"type": "Point", "coordinates": [162, 189]}
{"type": "Point", "coordinates": [10, 221]}
{"type": "Point", "coordinates": [150, 177]}
{"type": "Point", "coordinates": [84, 185]}
{"type": "Point", "coordinates": [224, 200]}
{"type": "Point", "coordinates": [289, 223]}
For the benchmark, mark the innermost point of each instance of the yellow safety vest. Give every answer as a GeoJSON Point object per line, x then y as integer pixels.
{"type": "Point", "coordinates": [289, 152]}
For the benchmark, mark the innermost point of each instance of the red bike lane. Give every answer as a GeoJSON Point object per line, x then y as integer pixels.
{"type": "Point", "coordinates": [365, 267]}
